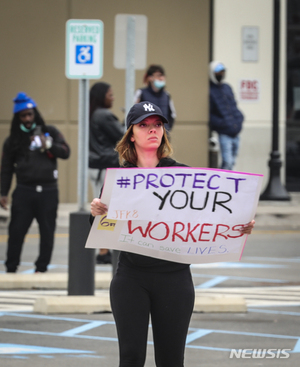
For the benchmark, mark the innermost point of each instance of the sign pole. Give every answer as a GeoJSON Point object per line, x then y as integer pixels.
{"type": "Point", "coordinates": [130, 64]}
{"type": "Point", "coordinates": [83, 142]}
{"type": "Point", "coordinates": [129, 92]}
{"type": "Point", "coordinates": [84, 59]}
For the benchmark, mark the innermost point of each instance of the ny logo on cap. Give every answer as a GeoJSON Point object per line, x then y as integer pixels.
{"type": "Point", "coordinates": [148, 107]}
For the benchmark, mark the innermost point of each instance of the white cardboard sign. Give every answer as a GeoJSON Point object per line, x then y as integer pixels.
{"type": "Point", "coordinates": [178, 229]}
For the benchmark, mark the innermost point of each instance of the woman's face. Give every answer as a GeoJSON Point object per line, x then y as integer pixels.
{"type": "Point", "coordinates": [147, 134]}
{"type": "Point", "coordinates": [109, 98]}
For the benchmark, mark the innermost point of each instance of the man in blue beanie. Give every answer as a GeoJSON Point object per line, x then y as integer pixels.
{"type": "Point", "coordinates": [224, 116]}
{"type": "Point", "coordinates": [31, 152]}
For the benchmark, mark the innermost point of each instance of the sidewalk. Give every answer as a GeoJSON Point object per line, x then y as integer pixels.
{"type": "Point", "coordinates": [279, 214]}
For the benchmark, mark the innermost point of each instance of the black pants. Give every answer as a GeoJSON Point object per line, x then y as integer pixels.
{"type": "Point", "coordinates": [168, 298]}
{"type": "Point", "coordinates": [27, 204]}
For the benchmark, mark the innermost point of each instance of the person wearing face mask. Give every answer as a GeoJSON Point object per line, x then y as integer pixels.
{"type": "Point", "coordinates": [155, 79]}
{"type": "Point", "coordinates": [224, 116]}
{"type": "Point", "coordinates": [105, 131]}
{"type": "Point", "coordinates": [31, 152]}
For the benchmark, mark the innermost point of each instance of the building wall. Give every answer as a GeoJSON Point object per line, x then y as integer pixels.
{"type": "Point", "coordinates": [33, 37]}
{"type": "Point", "coordinates": [256, 136]}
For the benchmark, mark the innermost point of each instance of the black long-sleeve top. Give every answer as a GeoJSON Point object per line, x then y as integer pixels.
{"type": "Point", "coordinates": [36, 167]}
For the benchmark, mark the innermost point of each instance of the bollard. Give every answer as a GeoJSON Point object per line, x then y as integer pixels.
{"type": "Point", "coordinates": [81, 279]}
{"type": "Point", "coordinates": [213, 152]}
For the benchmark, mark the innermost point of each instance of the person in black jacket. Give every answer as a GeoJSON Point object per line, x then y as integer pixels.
{"type": "Point", "coordinates": [31, 152]}
{"type": "Point", "coordinates": [224, 116]}
{"type": "Point", "coordinates": [105, 132]}
{"type": "Point", "coordinates": [142, 285]}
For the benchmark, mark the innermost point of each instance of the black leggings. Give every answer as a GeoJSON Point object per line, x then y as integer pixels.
{"type": "Point", "coordinates": [168, 298]}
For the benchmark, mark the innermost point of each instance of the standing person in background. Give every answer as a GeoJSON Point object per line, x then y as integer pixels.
{"type": "Point", "coordinates": [224, 116]}
{"type": "Point", "coordinates": [155, 79]}
{"type": "Point", "coordinates": [31, 152]}
{"type": "Point", "coordinates": [144, 286]}
{"type": "Point", "coordinates": [105, 132]}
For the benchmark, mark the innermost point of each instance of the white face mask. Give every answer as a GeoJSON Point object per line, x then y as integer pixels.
{"type": "Point", "coordinates": [159, 83]}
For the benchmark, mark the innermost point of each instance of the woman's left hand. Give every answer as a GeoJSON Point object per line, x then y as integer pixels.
{"type": "Point", "coordinates": [247, 228]}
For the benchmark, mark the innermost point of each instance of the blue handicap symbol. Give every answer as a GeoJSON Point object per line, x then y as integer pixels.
{"type": "Point", "coordinates": [84, 54]}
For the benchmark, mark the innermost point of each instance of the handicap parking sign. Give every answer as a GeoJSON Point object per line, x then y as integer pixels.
{"type": "Point", "coordinates": [84, 54]}
{"type": "Point", "coordinates": [84, 49]}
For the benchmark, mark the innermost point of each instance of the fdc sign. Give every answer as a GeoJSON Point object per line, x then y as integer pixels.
{"type": "Point", "coordinates": [84, 49]}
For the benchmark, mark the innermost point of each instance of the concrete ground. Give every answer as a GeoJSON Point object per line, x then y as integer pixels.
{"type": "Point", "coordinates": [270, 215]}
{"type": "Point", "coordinates": [38, 326]}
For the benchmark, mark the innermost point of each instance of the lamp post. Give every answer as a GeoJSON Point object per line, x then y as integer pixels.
{"type": "Point", "coordinates": [275, 190]}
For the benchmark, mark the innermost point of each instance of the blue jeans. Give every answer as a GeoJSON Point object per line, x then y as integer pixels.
{"type": "Point", "coordinates": [229, 149]}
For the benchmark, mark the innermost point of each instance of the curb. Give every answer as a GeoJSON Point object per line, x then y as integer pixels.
{"type": "Point", "coordinates": [73, 304]}
{"type": "Point", "coordinates": [101, 303]}
{"type": "Point", "coordinates": [47, 280]}
{"type": "Point", "coordinates": [228, 304]}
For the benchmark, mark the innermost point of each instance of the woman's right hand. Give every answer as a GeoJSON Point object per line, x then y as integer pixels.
{"type": "Point", "coordinates": [3, 202]}
{"type": "Point", "coordinates": [98, 208]}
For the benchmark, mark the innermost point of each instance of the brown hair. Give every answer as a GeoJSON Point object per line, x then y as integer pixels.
{"type": "Point", "coordinates": [127, 153]}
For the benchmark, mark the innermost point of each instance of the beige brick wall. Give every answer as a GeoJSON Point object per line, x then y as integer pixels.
{"type": "Point", "coordinates": [33, 37]}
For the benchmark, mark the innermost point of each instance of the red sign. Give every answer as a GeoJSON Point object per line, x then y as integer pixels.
{"type": "Point", "coordinates": [249, 90]}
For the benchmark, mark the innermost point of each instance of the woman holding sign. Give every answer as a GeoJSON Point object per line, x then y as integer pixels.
{"type": "Point", "coordinates": [142, 285]}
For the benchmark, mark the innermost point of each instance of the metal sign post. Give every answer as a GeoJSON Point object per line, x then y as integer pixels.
{"type": "Point", "coordinates": [130, 63]}
{"type": "Point", "coordinates": [83, 143]}
{"type": "Point", "coordinates": [130, 50]}
{"type": "Point", "coordinates": [84, 60]}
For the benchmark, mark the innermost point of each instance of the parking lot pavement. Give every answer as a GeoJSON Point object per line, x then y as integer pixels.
{"type": "Point", "coordinates": [267, 277]}
{"type": "Point", "coordinates": [72, 340]}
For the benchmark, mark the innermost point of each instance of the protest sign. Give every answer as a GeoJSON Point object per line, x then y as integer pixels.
{"type": "Point", "coordinates": [189, 215]}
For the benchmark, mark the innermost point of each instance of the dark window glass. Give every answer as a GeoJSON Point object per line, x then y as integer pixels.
{"type": "Point", "coordinates": [293, 97]}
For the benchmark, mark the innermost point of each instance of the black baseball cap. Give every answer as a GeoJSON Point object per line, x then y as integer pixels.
{"type": "Point", "coordinates": [142, 110]}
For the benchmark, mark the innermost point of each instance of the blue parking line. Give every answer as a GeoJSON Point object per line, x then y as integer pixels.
{"type": "Point", "coordinates": [6, 348]}
{"type": "Point", "coordinates": [46, 317]}
{"type": "Point", "coordinates": [197, 335]}
{"type": "Point", "coordinates": [83, 328]}
{"type": "Point", "coordinates": [46, 356]}
{"type": "Point", "coordinates": [194, 333]}
{"type": "Point", "coordinates": [212, 282]}
{"type": "Point", "coordinates": [32, 270]}
{"type": "Point", "coordinates": [32, 332]}
{"type": "Point", "coordinates": [276, 336]}
{"type": "Point", "coordinates": [297, 347]}
{"type": "Point", "coordinates": [19, 357]}
{"type": "Point", "coordinates": [208, 348]}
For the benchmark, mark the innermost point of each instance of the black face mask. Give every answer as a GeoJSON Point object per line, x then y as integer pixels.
{"type": "Point", "coordinates": [219, 78]}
